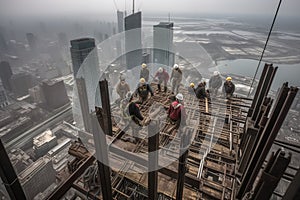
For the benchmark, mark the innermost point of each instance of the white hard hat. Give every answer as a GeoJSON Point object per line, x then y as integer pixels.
{"type": "Point", "coordinates": [216, 73]}
{"type": "Point", "coordinates": [160, 70]}
{"type": "Point", "coordinates": [176, 66]}
{"type": "Point", "coordinates": [179, 96]}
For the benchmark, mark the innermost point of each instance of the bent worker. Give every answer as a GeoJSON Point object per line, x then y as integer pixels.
{"type": "Point", "coordinates": [200, 91]}
{"type": "Point", "coordinates": [176, 111]}
{"type": "Point", "coordinates": [143, 90]}
{"type": "Point", "coordinates": [132, 114]}
{"type": "Point", "coordinates": [215, 82]}
{"type": "Point", "coordinates": [228, 87]}
{"type": "Point", "coordinates": [176, 78]}
{"type": "Point", "coordinates": [144, 73]}
{"type": "Point", "coordinates": [162, 76]}
{"type": "Point", "coordinates": [122, 88]}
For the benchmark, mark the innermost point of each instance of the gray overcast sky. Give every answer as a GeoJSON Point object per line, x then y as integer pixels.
{"type": "Point", "coordinates": [175, 7]}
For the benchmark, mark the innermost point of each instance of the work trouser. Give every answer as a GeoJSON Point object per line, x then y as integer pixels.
{"type": "Point", "coordinates": [159, 85]}
{"type": "Point", "coordinates": [175, 85]}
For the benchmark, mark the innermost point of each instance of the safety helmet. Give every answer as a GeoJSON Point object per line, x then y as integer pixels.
{"type": "Point", "coordinates": [122, 78]}
{"type": "Point", "coordinates": [160, 70]}
{"type": "Point", "coordinates": [142, 80]}
{"type": "Point", "coordinates": [228, 78]}
{"type": "Point", "coordinates": [192, 85]}
{"type": "Point", "coordinates": [216, 73]}
{"type": "Point", "coordinates": [144, 65]}
{"type": "Point", "coordinates": [175, 66]}
{"type": "Point", "coordinates": [179, 96]}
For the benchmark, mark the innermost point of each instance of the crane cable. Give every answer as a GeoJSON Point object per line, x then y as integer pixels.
{"type": "Point", "coordinates": [270, 31]}
{"type": "Point", "coordinates": [116, 5]}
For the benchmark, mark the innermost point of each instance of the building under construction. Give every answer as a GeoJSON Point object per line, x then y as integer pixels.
{"type": "Point", "coordinates": [224, 152]}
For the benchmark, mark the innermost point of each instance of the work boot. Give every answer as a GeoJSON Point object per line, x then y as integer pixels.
{"type": "Point", "coordinates": [165, 89]}
{"type": "Point", "coordinates": [158, 86]}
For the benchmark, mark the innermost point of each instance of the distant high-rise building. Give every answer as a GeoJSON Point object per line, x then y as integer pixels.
{"type": "Point", "coordinates": [120, 16]}
{"type": "Point", "coordinates": [3, 97]}
{"type": "Point", "coordinates": [133, 40]}
{"type": "Point", "coordinates": [3, 44]}
{"type": "Point", "coordinates": [163, 43]}
{"type": "Point", "coordinates": [37, 95]}
{"type": "Point", "coordinates": [62, 39]}
{"type": "Point", "coordinates": [5, 74]}
{"type": "Point", "coordinates": [37, 177]}
{"type": "Point", "coordinates": [83, 52]}
{"type": "Point", "coordinates": [32, 41]}
{"type": "Point", "coordinates": [55, 94]}
{"type": "Point", "coordinates": [20, 83]}
{"type": "Point", "coordinates": [80, 49]}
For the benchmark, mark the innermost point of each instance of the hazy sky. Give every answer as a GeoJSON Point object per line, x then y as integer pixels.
{"type": "Point", "coordinates": [175, 7]}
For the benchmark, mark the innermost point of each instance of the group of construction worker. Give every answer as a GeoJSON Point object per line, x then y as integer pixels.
{"type": "Point", "coordinates": [215, 83]}
{"type": "Point", "coordinates": [131, 108]}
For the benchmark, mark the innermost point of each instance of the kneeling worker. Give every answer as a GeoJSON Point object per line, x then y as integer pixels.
{"type": "Point", "coordinates": [143, 90]}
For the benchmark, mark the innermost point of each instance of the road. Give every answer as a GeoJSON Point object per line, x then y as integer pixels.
{"type": "Point", "coordinates": [25, 137]}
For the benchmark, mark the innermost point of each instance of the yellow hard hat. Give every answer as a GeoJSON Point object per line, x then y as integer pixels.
{"type": "Point", "coordinates": [144, 65]}
{"type": "Point", "coordinates": [142, 80]}
{"type": "Point", "coordinates": [192, 85]}
{"type": "Point", "coordinates": [228, 78]}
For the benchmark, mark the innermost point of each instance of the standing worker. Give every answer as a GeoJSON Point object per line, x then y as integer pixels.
{"type": "Point", "coordinates": [176, 78]}
{"type": "Point", "coordinates": [143, 90]}
{"type": "Point", "coordinates": [215, 82]}
{"type": "Point", "coordinates": [162, 76]}
{"type": "Point", "coordinates": [122, 88]}
{"type": "Point", "coordinates": [176, 111]}
{"type": "Point", "coordinates": [228, 88]}
{"type": "Point", "coordinates": [191, 89]}
{"type": "Point", "coordinates": [144, 72]}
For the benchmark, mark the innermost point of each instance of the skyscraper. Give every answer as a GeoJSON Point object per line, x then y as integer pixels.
{"type": "Point", "coordinates": [80, 49]}
{"type": "Point", "coordinates": [133, 39]}
{"type": "Point", "coordinates": [3, 97]}
{"type": "Point", "coordinates": [120, 16]}
{"type": "Point", "coordinates": [5, 74]}
{"type": "Point", "coordinates": [163, 43]}
{"type": "Point", "coordinates": [32, 41]}
{"type": "Point", "coordinates": [20, 83]}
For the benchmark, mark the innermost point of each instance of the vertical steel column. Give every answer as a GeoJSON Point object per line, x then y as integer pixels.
{"type": "Point", "coordinates": [107, 123]}
{"type": "Point", "coordinates": [153, 146]}
{"type": "Point", "coordinates": [9, 176]}
{"type": "Point", "coordinates": [279, 113]}
{"type": "Point", "coordinates": [263, 91]}
{"type": "Point", "coordinates": [261, 80]}
{"type": "Point", "coordinates": [182, 165]}
{"type": "Point", "coordinates": [293, 191]}
{"type": "Point", "coordinates": [102, 158]}
{"type": "Point", "coordinates": [271, 175]}
{"type": "Point", "coordinates": [263, 107]}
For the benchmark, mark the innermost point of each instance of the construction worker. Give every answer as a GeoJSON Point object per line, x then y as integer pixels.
{"type": "Point", "coordinates": [191, 89]}
{"type": "Point", "coordinates": [200, 91]}
{"type": "Point", "coordinates": [176, 111]}
{"type": "Point", "coordinates": [228, 88]}
{"type": "Point", "coordinates": [144, 72]}
{"type": "Point", "coordinates": [122, 88]}
{"type": "Point", "coordinates": [143, 90]}
{"type": "Point", "coordinates": [215, 82]}
{"type": "Point", "coordinates": [176, 78]}
{"type": "Point", "coordinates": [132, 114]}
{"type": "Point", "coordinates": [162, 76]}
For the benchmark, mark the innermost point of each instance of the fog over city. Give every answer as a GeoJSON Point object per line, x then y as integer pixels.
{"type": "Point", "coordinates": [167, 96]}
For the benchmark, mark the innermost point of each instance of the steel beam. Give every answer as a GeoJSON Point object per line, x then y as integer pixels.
{"type": "Point", "coordinates": [106, 111]}
{"type": "Point", "coordinates": [182, 165]}
{"type": "Point", "coordinates": [293, 191]}
{"type": "Point", "coordinates": [67, 184]}
{"type": "Point", "coordinates": [282, 105]}
{"type": "Point", "coordinates": [153, 146]}
{"type": "Point", "coordinates": [9, 176]}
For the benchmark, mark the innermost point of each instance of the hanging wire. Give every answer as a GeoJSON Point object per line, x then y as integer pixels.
{"type": "Point", "coordinates": [270, 31]}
